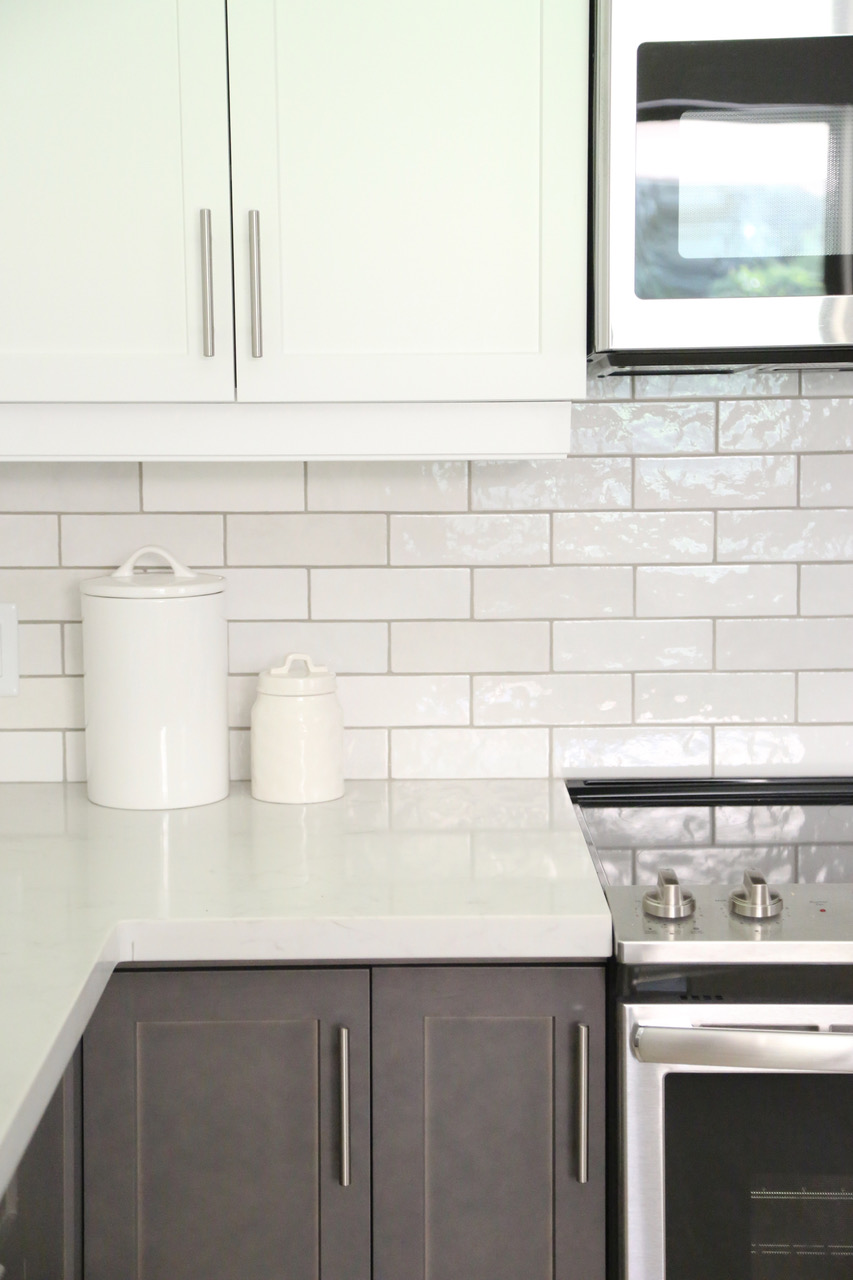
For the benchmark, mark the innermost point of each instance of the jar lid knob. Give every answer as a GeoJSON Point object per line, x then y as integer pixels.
{"type": "Point", "coordinates": [298, 657]}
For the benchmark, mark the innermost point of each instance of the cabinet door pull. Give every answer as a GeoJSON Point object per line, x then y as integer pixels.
{"type": "Point", "coordinates": [206, 284]}
{"type": "Point", "coordinates": [345, 1121]}
{"type": "Point", "coordinates": [255, 283]}
{"type": "Point", "coordinates": [583, 1101]}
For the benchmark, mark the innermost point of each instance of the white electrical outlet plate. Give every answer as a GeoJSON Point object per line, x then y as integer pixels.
{"type": "Point", "coordinates": [8, 650]}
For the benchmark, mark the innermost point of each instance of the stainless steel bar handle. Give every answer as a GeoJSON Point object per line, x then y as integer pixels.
{"type": "Point", "coordinates": [583, 1102]}
{"type": "Point", "coordinates": [345, 1119]}
{"type": "Point", "coordinates": [206, 283]}
{"type": "Point", "coordinates": [745, 1047]}
{"type": "Point", "coordinates": [255, 283]}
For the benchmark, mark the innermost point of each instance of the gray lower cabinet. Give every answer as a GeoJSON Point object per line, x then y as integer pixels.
{"type": "Point", "coordinates": [220, 1117]}
{"type": "Point", "coordinates": [479, 1118]}
{"type": "Point", "coordinates": [213, 1126]}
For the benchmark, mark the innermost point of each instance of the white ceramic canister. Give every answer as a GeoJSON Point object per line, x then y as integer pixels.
{"type": "Point", "coordinates": [297, 734]}
{"type": "Point", "coordinates": [155, 659]}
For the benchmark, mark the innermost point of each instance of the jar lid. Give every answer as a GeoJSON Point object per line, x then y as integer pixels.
{"type": "Point", "coordinates": [281, 682]}
{"type": "Point", "coordinates": [153, 584]}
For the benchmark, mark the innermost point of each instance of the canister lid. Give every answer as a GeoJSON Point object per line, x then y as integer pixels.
{"type": "Point", "coordinates": [153, 584]}
{"type": "Point", "coordinates": [281, 681]}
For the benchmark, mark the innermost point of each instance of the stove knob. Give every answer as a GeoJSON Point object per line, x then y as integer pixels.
{"type": "Point", "coordinates": [755, 900]}
{"type": "Point", "coordinates": [668, 901]}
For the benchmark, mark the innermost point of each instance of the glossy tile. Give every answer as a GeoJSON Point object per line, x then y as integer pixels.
{"type": "Point", "coordinates": [40, 649]}
{"type": "Point", "coordinates": [825, 697]}
{"type": "Point", "coordinates": [781, 426]}
{"type": "Point", "coordinates": [637, 537]}
{"type": "Point", "coordinates": [793, 750]}
{"type": "Point", "coordinates": [716, 591]}
{"type": "Point", "coordinates": [715, 698]}
{"type": "Point", "coordinates": [31, 757]}
{"type": "Point", "coordinates": [409, 701]}
{"type": "Point", "coordinates": [785, 535]}
{"type": "Point", "coordinates": [632, 646]}
{"type": "Point", "coordinates": [643, 428]}
{"type": "Point", "coordinates": [69, 486]}
{"type": "Point", "coordinates": [212, 486]}
{"type": "Point", "coordinates": [826, 589]}
{"type": "Point", "coordinates": [469, 753]}
{"type": "Point", "coordinates": [705, 386]}
{"type": "Point", "coordinates": [44, 702]}
{"type": "Point", "coordinates": [827, 382]}
{"type": "Point", "coordinates": [306, 539]}
{"type": "Point", "coordinates": [826, 480]}
{"type": "Point", "coordinates": [598, 753]}
{"type": "Point", "coordinates": [29, 541]}
{"type": "Point", "coordinates": [470, 539]}
{"type": "Point", "coordinates": [716, 482]}
{"type": "Point", "coordinates": [342, 646]}
{"type": "Point", "coordinates": [573, 484]}
{"type": "Point", "coordinates": [44, 595]}
{"type": "Point", "coordinates": [784, 644]}
{"type": "Point", "coordinates": [469, 646]}
{"type": "Point", "coordinates": [255, 594]}
{"type": "Point", "coordinates": [387, 486]}
{"type": "Point", "coordinates": [554, 592]}
{"type": "Point", "coordinates": [106, 541]}
{"type": "Point", "coordinates": [75, 755]}
{"type": "Point", "coordinates": [552, 699]}
{"type": "Point", "coordinates": [390, 593]}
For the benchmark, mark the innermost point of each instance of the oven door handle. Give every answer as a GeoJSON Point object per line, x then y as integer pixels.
{"type": "Point", "coordinates": [744, 1047]}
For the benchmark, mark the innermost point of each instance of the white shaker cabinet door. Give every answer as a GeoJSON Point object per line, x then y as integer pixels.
{"type": "Point", "coordinates": [417, 172]}
{"type": "Point", "coordinates": [114, 138]}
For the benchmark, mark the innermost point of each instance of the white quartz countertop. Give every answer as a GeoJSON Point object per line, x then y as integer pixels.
{"type": "Point", "coordinates": [402, 871]}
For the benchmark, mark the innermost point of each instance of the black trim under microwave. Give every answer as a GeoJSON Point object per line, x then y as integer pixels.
{"type": "Point", "coordinates": [722, 360]}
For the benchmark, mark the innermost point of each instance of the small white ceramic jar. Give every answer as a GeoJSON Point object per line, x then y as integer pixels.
{"type": "Point", "coordinates": [297, 735]}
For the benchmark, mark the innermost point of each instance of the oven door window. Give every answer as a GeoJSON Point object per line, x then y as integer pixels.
{"type": "Point", "coordinates": [744, 168]}
{"type": "Point", "coordinates": [759, 1176]}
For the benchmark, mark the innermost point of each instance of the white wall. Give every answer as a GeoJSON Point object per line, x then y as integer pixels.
{"type": "Point", "coordinates": [676, 594]}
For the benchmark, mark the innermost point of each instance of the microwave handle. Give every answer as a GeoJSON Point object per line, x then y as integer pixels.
{"type": "Point", "coordinates": [744, 1047]}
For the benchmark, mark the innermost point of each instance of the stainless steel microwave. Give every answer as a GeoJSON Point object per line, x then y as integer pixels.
{"type": "Point", "coordinates": [723, 185]}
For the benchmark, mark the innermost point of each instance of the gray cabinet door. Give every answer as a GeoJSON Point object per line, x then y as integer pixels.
{"type": "Point", "coordinates": [476, 1124]}
{"type": "Point", "coordinates": [212, 1122]}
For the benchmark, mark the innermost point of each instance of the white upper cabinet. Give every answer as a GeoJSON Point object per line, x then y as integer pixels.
{"type": "Point", "coordinates": [417, 172]}
{"type": "Point", "coordinates": [114, 138]}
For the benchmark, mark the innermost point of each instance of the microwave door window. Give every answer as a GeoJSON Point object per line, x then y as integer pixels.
{"type": "Point", "coordinates": [740, 199]}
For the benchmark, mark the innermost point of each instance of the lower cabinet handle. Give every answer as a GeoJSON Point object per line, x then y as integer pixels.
{"type": "Point", "coordinates": [345, 1120]}
{"type": "Point", "coordinates": [206, 283]}
{"type": "Point", "coordinates": [255, 283]}
{"type": "Point", "coordinates": [583, 1102]}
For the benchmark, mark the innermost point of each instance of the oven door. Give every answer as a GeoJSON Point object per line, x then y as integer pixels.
{"type": "Point", "coordinates": [736, 1130]}
{"type": "Point", "coordinates": [724, 210]}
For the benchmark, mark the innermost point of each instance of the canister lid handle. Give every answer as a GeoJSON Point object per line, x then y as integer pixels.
{"type": "Point", "coordinates": [180, 570]}
{"type": "Point", "coordinates": [298, 657]}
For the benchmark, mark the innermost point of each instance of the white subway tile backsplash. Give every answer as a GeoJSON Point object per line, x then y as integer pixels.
{"type": "Point", "coordinates": [827, 382]}
{"type": "Point", "coordinates": [256, 594]}
{"type": "Point", "coordinates": [407, 701]}
{"type": "Point", "coordinates": [469, 753]}
{"type": "Point", "coordinates": [366, 753]}
{"type": "Point", "coordinates": [44, 595]}
{"type": "Point", "coordinates": [552, 699]}
{"type": "Point", "coordinates": [554, 592]}
{"type": "Point", "coordinates": [69, 486]}
{"type": "Point", "coordinates": [796, 749]}
{"type": "Point", "coordinates": [387, 486]}
{"type": "Point", "coordinates": [637, 537]}
{"type": "Point", "coordinates": [106, 541]}
{"type": "Point", "coordinates": [785, 535]}
{"type": "Point", "coordinates": [616, 386]}
{"type": "Point", "coordinates": [210, 486]}
{"type": "Point", "coordinates": [31, 757]}
{"type": "Point", "coordinates": [826, 589]}
{"type": "Point", "coordinates": [709, 591]}
{"type": "Point", "coordinates": [40, 649]}
{"type": "Point", "coordinates": [642, 428]}
{"type": "Point", "coordinates": [469, 646]}
{"type": "Point", "coordinates": [390, 593]}
{"type": "Point", "coordinates": [29, 540]}
{"type": "Point", "coordinates": [75, 755]}
{"type": "Point", "coordinates": [573, 484]}
{"type": "Point", "coordinates": [716, 482]}
{"type": "Point", "coordinates": [343, 646]}
{"type": "Point", "coordinates": [44, 702]}
{"type": "Point", "coordinates": [632, 646]}
{"type": "Point", "coordinates": [715, 697]}
{"type": "Point", "coordinates": [825, 697]}
{"type": "Point", "coordinates": [596, 753]}
{"type": "Point", "coordinates": [784, 644]}
{"type": "Point", "coordinates": [826, 480]}
{"type": "Point", "coordinates": [470, 539]}
{"type": "Point", "coordinates": [801, 426]}
{"type": "Point", "coordinates": [705, 386]}
{"type": "Point", "coordinates": [72, 648]}
{"type": "Point", "coordinates": [307, 539]}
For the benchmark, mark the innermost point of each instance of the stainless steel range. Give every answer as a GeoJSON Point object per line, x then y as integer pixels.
{"type": "Point", "coordinates": [732, 905]}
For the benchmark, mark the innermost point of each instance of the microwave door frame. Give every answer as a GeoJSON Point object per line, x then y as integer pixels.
{"type": "Point", "coordinates": [624, 321]}
{"type": "Point", "coordinates": [642, 1189]}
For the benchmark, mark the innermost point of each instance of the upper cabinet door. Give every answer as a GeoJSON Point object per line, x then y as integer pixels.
{"type": "Point", "coordinates": [416, 175]}
{"type": "Point", "coordinates": [115, 137]}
